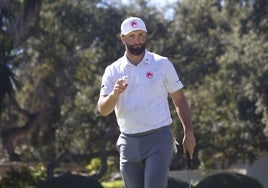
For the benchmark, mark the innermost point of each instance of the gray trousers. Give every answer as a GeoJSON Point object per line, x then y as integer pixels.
{"type": "Point", "coordinates": [145, 159]}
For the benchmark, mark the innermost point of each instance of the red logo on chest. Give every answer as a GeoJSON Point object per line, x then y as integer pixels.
{"type": "Point", "coordinates": [149, 75]}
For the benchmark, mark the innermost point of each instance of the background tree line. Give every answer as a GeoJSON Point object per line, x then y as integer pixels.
{"type": "Point", "coordinates": [53, 53]}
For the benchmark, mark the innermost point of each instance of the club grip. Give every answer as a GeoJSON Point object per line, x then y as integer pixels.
{"type": "Point", "coordinates": [188, 160]}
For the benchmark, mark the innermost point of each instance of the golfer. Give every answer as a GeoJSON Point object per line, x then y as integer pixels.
{"type": "Point", "coordinates": [137, 87]}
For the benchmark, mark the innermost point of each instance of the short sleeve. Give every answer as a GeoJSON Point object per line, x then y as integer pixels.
{"type": "Point", "coordinates": [172, 81]}
{"type": "Point", "coordinates": [107, 83]}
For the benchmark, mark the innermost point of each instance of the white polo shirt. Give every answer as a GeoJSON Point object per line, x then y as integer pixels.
{"type": "Point", "coordinates": [144, 104]}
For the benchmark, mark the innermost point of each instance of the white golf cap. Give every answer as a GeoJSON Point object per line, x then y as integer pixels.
{"type": "Point", "coordinates": [132, 24]}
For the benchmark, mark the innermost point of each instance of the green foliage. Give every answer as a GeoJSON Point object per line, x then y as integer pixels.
{"type": "Point", "coordinates": [219, 49]}
{"type": "Point", "coordinates": [69, 180]}
{"type": "Point", "coordinates": [113, 184]}
{"type": "Point", "coordinates": [95, 164]}
{"type": "Point", "coordinates": [172, 183]}
{"type": "Point", "coordinates": [229, 180]}
{"type": "Point", "coordinates": [221, 65]}
{"type": "Point", "coordinates": [23, 177]}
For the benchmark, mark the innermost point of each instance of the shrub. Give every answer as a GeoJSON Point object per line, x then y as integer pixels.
{"type": "Point", "coordinates": [69, 180]}
{"type": "Point", "coordinates": [23, 176]}
{"type": "Point", "coordinates": [229, 180]}
{"type": "Point", "coordinates": [172, 183]}
{"type": "Point", "coordinates": [113, 184]}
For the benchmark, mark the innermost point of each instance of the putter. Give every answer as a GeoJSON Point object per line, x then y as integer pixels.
{"type": "Point", "coordinates": [188, 169]}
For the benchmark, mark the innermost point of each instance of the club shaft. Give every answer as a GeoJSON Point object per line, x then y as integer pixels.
{"type": "Point", "coordinates": [189, 178]}
{"type": "Point", "coordinates": [189, 170]}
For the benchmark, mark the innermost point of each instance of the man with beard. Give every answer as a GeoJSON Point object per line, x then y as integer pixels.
{"type": "Point", "coordinates": [137, 87]}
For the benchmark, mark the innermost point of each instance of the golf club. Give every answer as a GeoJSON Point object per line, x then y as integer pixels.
{"type": "Point", "coordinates": [188, 169]}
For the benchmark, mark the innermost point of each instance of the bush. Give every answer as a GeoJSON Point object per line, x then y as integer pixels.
{"type": "Point", "coordinates": [69, 180]}
{"type": "Point", "coordinates": [229, 180]}
{"type": "Point", "coordinates": [113, 184]}
{"type": "Point", "coordinates": [23, 176]}
{"type": "Point", "coordinates": [172, 183]}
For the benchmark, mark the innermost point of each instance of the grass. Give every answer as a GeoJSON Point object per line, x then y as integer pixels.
{"type": "Point", "coordinates": [113, 184]}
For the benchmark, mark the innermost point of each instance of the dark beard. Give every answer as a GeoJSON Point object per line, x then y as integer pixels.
{"type": "Point", "coordinates": [136, 51]}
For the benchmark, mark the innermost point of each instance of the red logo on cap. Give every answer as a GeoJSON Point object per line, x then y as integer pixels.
{"type": "Point", "coordinates": [134, 24]}
{"type": "Point", "coordinates": [149, 75]}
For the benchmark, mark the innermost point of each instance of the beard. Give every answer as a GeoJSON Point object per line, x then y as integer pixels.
{"type": "Point", "coordinates": [136, 50]}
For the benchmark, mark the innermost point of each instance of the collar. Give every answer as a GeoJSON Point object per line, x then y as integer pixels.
{"type": "Point", "coordinates": [145, 59]}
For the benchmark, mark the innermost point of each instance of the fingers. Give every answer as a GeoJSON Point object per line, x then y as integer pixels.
{"type": "Point", "coordinates": [120, 86]}
{"type": "Point", "coordinates": [191, 154]}
{"type": "Point", "coordinates": [188, 147]}
{"type": "Point", "coordinates": [188, 150]}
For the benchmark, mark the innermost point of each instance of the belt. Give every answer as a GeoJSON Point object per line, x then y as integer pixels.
{"type": "Point", "coordinates": [146, 132]}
